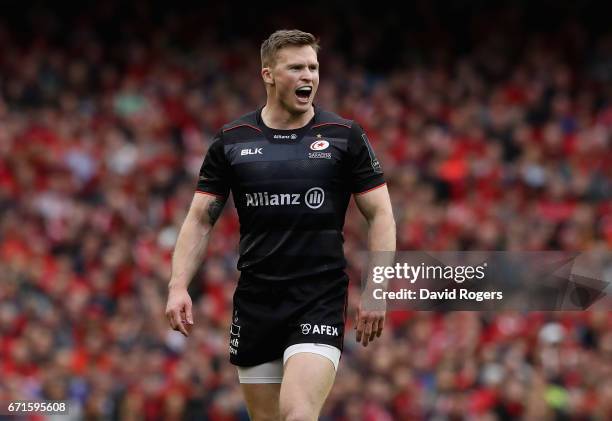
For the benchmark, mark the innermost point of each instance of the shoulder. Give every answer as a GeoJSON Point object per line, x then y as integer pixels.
{"type": "Point", "coordinates": [332, 125]}
{"type": "Point", "coordinates": [244, 126]}
{"type": "Point", "coordinates": [332, 122]}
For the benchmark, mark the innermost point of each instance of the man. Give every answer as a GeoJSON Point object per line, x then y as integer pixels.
{"type": "Point", "coordinates": [291, 169]}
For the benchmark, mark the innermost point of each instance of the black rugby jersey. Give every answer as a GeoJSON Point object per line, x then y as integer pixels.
{"type": "Point", "coordinates": [291, 189]}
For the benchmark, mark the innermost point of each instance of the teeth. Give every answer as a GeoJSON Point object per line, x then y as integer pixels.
{"type": "Point", "coordinates": [305, 89]}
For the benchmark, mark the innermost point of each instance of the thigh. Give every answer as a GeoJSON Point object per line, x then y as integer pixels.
{"type": "Point", "coordinates": [307, 381]}
{"type": "Point", "coordinates": [262, 400]}
{"type": "Point", "coordinates": [260, 386]}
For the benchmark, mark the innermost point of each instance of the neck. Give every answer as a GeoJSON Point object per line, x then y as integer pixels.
{"type": "Point", "coordinates": [277, 117]}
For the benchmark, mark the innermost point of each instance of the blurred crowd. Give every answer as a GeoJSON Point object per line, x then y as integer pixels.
{"type": "Point", "coordinates": [501, 147]}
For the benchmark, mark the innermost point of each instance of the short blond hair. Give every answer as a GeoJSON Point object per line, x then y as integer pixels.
{"type": "Point", "coordinates": [284, 38]}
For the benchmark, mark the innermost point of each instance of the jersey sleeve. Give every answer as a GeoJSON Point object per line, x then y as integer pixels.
{"type": "Point", "coordinates": [214, 175]}
{"type": "Point", "coordinates": [365, 170]}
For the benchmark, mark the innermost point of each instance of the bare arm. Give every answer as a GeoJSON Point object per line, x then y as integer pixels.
{"type": "Point", "coordinates": [375, 206]}
{"type": "Point", "coordinates": [193, 238]}
{"type": "Point", "coordinates": [190, 247]}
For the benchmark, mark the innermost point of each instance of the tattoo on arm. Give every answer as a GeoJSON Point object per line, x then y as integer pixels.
{"type": "Point", "coordinates": [214, 210]}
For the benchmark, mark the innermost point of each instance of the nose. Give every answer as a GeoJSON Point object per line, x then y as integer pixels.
{"type": "Point", "coordinates": [307, 74]}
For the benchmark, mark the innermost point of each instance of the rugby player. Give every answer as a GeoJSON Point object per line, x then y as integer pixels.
{"type": "Point", "coordinates": [291, 168]}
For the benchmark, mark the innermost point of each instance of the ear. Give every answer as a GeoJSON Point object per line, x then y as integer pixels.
{"type": "Point", "coordinates": [266, 74]}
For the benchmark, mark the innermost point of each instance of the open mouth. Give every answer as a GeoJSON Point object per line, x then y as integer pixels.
{"type": "Point", "coordinates": [303, 93]}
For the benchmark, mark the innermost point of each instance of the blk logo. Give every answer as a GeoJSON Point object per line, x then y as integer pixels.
{"type": "Point", "coordinates": [251, 151]}
{"type": "Point", "coordinates": [305, 328]}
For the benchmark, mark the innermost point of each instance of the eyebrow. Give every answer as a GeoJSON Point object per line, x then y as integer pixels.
{"type": "Point", "coordinates": [301, 64]}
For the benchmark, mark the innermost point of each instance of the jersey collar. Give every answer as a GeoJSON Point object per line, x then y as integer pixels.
{"type": "Point", "coordinates": [282, 135]}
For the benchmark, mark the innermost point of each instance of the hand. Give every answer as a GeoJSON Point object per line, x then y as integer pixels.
{"type": "Point", "coordinates": [369, 325]}
{"type": "Point", "coordinates": [178, 310]}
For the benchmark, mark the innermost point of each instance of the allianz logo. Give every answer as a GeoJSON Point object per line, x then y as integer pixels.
{"type": "Point", "coordinates": [313, 198]}
{"type": "Point", "coordinates": [292, 136]}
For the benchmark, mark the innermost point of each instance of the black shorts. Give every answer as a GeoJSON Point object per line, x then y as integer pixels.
{"type": "Point", "coordinates": [269, 316]}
